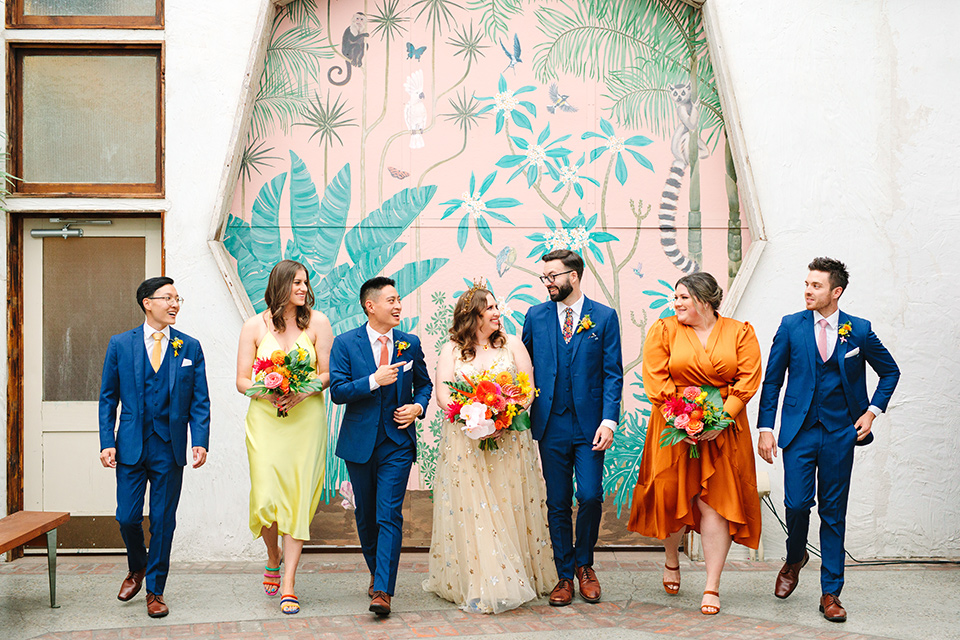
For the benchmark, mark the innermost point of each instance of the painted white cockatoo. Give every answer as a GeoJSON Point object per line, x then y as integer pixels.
{"type": "Point", "coordinates": [415, 112]}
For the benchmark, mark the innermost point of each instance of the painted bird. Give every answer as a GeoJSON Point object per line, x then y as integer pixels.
{"type": "Point", "coordinates": [514, 57]}
{"type": "Point", "coordinates": [558, 100]}
{"type": "Point", "coordinates": [505, 260]}
{"type": "Point", "coordinates": [415, 112]}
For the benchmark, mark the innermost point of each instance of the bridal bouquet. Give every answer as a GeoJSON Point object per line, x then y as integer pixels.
{"type": "Point", "coordinates": [691, 414]}
{"type": "Point", "coordinates": [284, 373]}
{"type": "Point", "coordinates": [490, 404]}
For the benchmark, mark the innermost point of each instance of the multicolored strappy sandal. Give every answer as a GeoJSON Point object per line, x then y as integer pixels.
{"type": "Point", "coordinates": [671, 588]}
{"type": "Point", "coordinates": [271, 580]}
{"type": "Point", "coordinates": [710, 609]}
{"type": "Point", "coordinates": [289, 604]}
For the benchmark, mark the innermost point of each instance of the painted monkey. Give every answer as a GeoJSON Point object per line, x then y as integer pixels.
{"type": "Point", "coordinates": [353, 46]}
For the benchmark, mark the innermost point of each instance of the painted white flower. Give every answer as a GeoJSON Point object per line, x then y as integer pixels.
{"type": "Point", "coordinates": [578, 238]}
{"type": "Point", "coordinates": [536, 154]}
{"type": "Point", "coordinates": [505, 101]}
{"type": "Point", "coordinates": [505, 309]}
{"type": "Point", "coordinates": [615, 143]}
{"type": "Point", "coordinates": [567, 174]}
{"type": "Point", "coordinates": [471, 204]}
{"type": "Point", "coordinates": [478, 425]}
{"type": "Point", "coordinates": [559, 239]}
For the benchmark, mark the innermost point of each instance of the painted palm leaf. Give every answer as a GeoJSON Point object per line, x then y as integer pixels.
{"type": "Point", "coordinates": [495, 14]}
{"type": "Point", "coordinates": [265, 222]}
{"type": "Point", "coordinates": [384, 226]}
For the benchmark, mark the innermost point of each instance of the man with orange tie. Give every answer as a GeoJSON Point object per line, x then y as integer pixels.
{"type": "Point", "coordinates": [157, 377]}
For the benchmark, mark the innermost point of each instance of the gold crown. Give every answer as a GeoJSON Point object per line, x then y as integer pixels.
{"type": "Point", "coordinates": [478, 284]}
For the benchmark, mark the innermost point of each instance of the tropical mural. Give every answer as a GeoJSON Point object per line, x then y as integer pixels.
{"type": "Point", "coordinates": [436, 142]}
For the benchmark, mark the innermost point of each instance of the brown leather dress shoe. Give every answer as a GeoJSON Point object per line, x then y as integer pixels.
{"type": "Point", "coordinates": [380, 604]}
{"type": "Point", "coordinates": [562, 594]}
{"type": "Point", "coordinates": [155, 606]}
{"type": "Point", "coordinates": [789, 577]}
{"type": "Point", "coordinates": [831, 608]}
{"type": "Point", "coordinates": [370, 588]}
{"type": "Point", "coordinates": [131, 585]}
{"type": "Point", "coordinates": [589, 585]}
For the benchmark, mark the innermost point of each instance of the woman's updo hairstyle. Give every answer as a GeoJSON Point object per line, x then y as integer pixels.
{"type": "Point", "coordinates": [703, 287]}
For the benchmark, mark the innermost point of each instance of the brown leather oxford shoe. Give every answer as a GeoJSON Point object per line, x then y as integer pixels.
{"type": "Point", "coordinates": [131, 585]}
{"type": "Point", "coordinates": [155, 606]}
{"type": "Point", "coordinates": [589, 585]}
{"type": "Point", "coordinates": [789, 577]}
{"type": "Point", "coordinates": [831, 609]}
{"type": "Point", "coordinates": [562, 594]}
{"type": "Point", "coordinates": [380, 604]}
{"type": "Point", "coordinates": [370, 588]}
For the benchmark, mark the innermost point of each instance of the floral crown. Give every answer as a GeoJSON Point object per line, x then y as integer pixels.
{"type": "Point", "coordinates": [478, 284]}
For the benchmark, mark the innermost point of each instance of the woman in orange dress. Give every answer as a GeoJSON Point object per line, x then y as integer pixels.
{"type": "Point", "coordinates": [715, 494]}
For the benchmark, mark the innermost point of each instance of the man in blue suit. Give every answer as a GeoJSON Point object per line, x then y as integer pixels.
{"type": "Point", "coordinates": [825, 414]}
{"type": "Point", "coordinates": [380, 375]}
{"type": "Point", "coordinates": [574, 343]}
{"type": "Point", "coordinates": [156, 375]}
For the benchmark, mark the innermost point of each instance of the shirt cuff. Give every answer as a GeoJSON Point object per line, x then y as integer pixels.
{"type": "Point", "coordinates": [374, 385]}
{"type": "Point", "coordinates": [419, 406]}
{"type": "Point", "coordinates": [608, 423]}
{"type": "Point", "coordinates": [875, 410]}
{"type": "Point", "coordinates": [767, 429]}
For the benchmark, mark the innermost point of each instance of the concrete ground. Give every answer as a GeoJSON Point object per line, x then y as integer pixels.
{"type": "Point", "coordinates": [225, 601]}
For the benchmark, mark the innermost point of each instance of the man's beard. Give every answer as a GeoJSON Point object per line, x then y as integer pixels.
{"type": "Point", "coordinates": [563, 290]}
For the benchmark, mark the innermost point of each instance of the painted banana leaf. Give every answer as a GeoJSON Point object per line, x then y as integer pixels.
{"type": "Point", "coordinates": [383, 226]}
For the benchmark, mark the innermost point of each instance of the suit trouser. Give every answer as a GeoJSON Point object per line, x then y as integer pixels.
{"type": "Point", "coordinates": [379, 486]}
{"type": "Point", "coordinates": [566, 453]}
{"type": "Point", "coordinates": [819, 462]}
{"type": "Point", "coordinates": [158, 466]}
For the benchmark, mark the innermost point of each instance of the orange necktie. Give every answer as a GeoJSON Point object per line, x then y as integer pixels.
{"type": "Point", "coordinates": [384, 354]}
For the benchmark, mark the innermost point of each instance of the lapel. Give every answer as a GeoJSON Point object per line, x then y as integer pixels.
{"type": "Point", "coordinates": [363, 345]}
{"type": "Point", "coordinates": [806, 330]}
{"type": "Point", "coordinates": [397, 337]}
{"type": "Point", "coordinates": [553, 331]}
{"type": "Point", "coordinates": [841, 349]}
{"type": "Point", "coordinates": [139, 359]}
{"type": "Point", "coordinates": [174, 365]}
{"type": "Point", "coordinates": [578, 337]}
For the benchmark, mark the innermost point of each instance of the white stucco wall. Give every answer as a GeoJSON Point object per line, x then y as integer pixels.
{"type": "Point", "coordinates": [850, 123]}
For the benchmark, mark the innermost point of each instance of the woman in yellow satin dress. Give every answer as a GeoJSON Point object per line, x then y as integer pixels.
{"type": "Point", "coordinates": [287, 455]}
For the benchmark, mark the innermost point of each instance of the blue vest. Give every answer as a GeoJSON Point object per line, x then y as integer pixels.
{"type": "Point", "coordinates": [156, 398]}
{"type": "Point", "coordinates": [388, 403]}
{"type": "Point", "coordinates": [563, 385]}
{"type": "Point", "coordinates": [829, 405]}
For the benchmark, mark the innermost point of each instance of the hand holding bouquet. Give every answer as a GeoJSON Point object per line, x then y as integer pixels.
{"type": "Point", "coordinates": [284, 373]}
{"type": "Point", "coordinates": [691, 414]}
{"type": "Point", "coordinates": [490, 405]}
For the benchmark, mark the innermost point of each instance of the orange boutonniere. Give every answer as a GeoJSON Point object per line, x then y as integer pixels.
{"type": "Point", "coordinates": [585, 324]}
{"type": "Point", "coordinates": [401, 346]}
{"type": "Point", "coordinates": [844, 331]}
{"type": "Point", "coordinates": [177, 344]}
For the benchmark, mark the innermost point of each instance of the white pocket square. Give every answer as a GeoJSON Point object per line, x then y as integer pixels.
{"type": "Point", "coordinates": [850, 354]}
{"type": "Point", "coordinates": [408, 366]}
{"type": "Point", "coordinates": [187, 362]}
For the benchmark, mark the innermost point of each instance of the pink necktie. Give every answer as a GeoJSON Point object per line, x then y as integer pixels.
{"type": "Point", "coordinates": [568, 325]}
{"type": "Point", "coordinates": [822, 339]}
{"type": "Point", "coordinates": [384, 354]}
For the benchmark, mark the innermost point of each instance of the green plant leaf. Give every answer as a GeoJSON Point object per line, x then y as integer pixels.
{"type": "Point", "coordinates": [386, 224]}
{"type": "Point", "coordinates": [265, 222]}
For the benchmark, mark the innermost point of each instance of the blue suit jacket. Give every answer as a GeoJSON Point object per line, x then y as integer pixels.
{"type": "Point", "coordinates": [351, 363]}
{"type": "Point", "coordinates": [122, 382]}
{"type": "Point", "coordinates": [794, 348]}
{"type": "Point", "coordinates": [597, 366]}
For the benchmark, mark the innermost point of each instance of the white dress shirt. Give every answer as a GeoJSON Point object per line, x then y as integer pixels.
{"type": "Point", "coordinates": [562, 317]}
{"type": "Point", "coordinates": [374, 339]}
{"type": "Point", "coordinates": [148, 332]}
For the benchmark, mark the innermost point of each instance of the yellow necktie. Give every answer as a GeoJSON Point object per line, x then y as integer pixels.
{"type": "Point", "coordinates": [155, 356]}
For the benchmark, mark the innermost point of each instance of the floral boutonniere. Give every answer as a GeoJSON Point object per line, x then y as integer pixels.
{"type": "Point", "coordinates": [401, 346]}
{"type": "Point", "coordinates": [844, 331]}
{"type": "Point", "coordinates": [585, 324]}
{"type": "Point", "coordinates": [177, 344]}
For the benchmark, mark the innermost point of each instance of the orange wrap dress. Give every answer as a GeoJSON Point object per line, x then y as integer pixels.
{"type": "Point", "coordinates": [725, 475]}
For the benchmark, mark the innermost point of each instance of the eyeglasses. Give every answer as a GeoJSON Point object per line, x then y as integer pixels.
{"type": "Point", "coordinates": [168, 299]}
{"type": "Point", "coordinates": [550, 279]}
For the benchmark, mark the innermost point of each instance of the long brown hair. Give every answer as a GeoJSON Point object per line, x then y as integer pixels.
{"type": "Point", "coordinates": [277, 295]}
{"type": "Point", "coordinates": [466, 318]}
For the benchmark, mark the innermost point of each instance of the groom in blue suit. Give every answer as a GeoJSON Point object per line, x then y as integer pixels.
{"type": "Point", "coordinates": [380, 375]}
{"type": "Point", "coordinates": [574, 343]}
{"type": "Point", "coordinates": [825, 414]}
{"type": "Point", "coordinates": [156, 375]}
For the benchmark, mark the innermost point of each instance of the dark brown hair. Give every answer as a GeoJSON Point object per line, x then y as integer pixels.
{"type": "Point", "coordinates": [836, 269]}
{"type": "Point", "coordinates": [570, 259]}
{"type": "Point", "coordinates": [703, 287]}
{"type": "Point", "coordinates": [466, 317]}
{"type": "Point", "coordinates": [277, 295]}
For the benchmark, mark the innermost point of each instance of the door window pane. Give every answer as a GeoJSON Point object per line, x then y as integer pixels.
{"type": "Point", "coordinates": [89, 294]}
{"type": "Point", "coordinates": [89, 7]}
{"type": "Point", "coordinates": [89, 118]}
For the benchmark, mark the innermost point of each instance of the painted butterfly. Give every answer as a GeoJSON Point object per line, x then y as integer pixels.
{"type": "Point", "coordinates": [399, 174]}
{"type": "Point", "coordinates": [415, 52]}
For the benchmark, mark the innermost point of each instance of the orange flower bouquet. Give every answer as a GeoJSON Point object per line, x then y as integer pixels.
{"type": "Point", "coordinates": [284, 373]}
{"type": "Point", "coordinates": [691, 414]}
{"type": "Point", "coordinates": [490, 405]}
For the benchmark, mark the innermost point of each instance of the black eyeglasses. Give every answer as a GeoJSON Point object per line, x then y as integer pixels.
{"type": "Point", "coordinates": [550, 279]}
{"type": "Point", "coordinates": [168, 299]}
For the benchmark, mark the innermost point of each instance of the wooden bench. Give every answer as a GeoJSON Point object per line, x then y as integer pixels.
{"type": "Point", "coordinates": [23, 526]}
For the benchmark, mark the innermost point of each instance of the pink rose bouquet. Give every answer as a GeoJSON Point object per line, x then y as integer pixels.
{"type": "Point", "coordinates": [692, 413]}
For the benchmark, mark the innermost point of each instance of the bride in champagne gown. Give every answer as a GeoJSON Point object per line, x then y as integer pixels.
{"type": "Point", "coordinates": [490, 549]}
